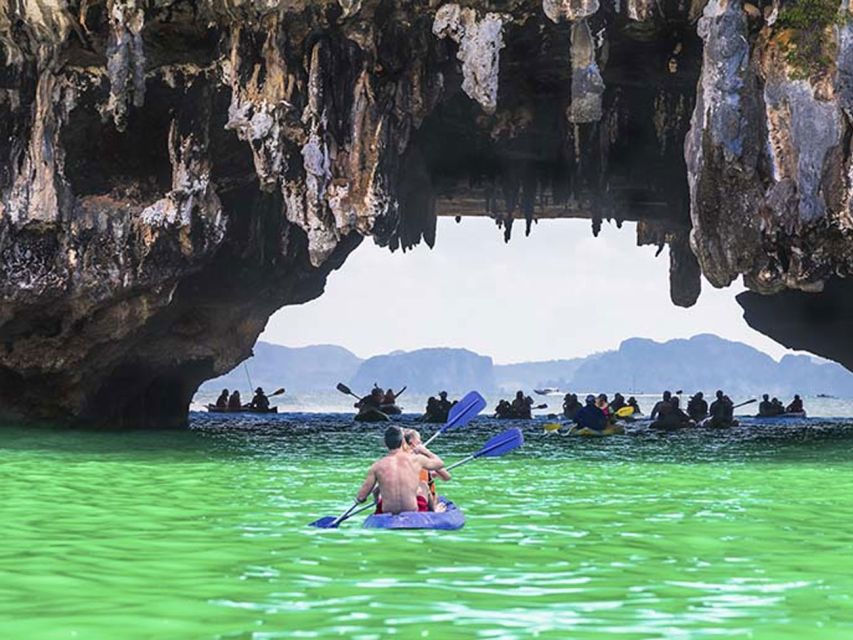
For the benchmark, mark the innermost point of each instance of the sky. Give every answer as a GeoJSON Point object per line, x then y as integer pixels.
{"type": "Point", "coordinates": [559, 293]}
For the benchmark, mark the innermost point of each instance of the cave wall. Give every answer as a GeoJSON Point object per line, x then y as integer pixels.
{"type": "Point", "coordinates": [172, 172]}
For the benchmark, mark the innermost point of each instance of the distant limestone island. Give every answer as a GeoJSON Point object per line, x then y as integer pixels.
{"type": "Point", "coordinates": [703, 362]}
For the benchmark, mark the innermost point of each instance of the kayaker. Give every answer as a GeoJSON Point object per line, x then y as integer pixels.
{"type": "Point", "coordinates": [234, 402]}
{"type": "Point", "coordinates": [222, 400]}
{"type": "Point", "coordinates": [765, 407]}
{"type": "Point", "coordinates": [522, 405]}
{"type": "Point", "coordinates": [663, 408]}
{"type": "Point", "coordinates": [427, 478]}
{"type": "Point", "coordinates": [444, 405]}
{"type": "Point", "coordinates": [571, 405]}
{"type": "Point", "coordinates": [260, 402]}
{"type": "Point", "coordinates": [397, 475]}
{"type": "Point", "coordinates": [590, 416]}
{"type": "Point", "coordinates": [796, 406]}
{"type": "Point", "coordinates": [504, 409]}
{"type": "Point", "coordinates": [632, 402]}
{"type": "Point", "coordinates": [722, 411]}
{"type": "Point", "coordinates": [617, 403]}
{"type": "Point", "coordinates": [390, 397]}
{"type": "Point", "coordinates": [697, 407]}
{"type": "Point", "coordinates": [372, 401]}
{"type": "Point", "coordinates": [601, 403]}
{"type": "Point", "coordinates": [431, 411]}
{"type": "Point", "coordinates": [778, 407]}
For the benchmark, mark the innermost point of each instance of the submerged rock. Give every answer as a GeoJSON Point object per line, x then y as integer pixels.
{"type": "Point", "coordinates": [171, 173]}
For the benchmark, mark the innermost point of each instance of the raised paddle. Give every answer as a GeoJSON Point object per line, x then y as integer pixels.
{"type": "Point", "coordinates": [461, 413]}
{"type": "Point", "coordinates": [345, 389]}
{"type": "Point", "coordinates": [501, 444]}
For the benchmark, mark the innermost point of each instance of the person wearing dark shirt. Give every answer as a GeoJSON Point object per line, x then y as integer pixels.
{"type": "Point", "coordinates": [260, 401]}
{"type": "Point", "coordinates": [521, 405]}
{"type": "Point", "coordinates": [590, 416]}
{"type": "Point", "coordinates": [571, 406]}
{"type": "Point", "coordinates": [765, 407]}
{"type": "Point", "coordinates": [222, 400]}
{"type": "Point", "coordinates": [796, 405]}
{"type": "Point", "coordinates": [234, 402]}
{"type": "Point", "coordinates": [697, 407]}
{"type": "Point", "coordinates": [722, 411]}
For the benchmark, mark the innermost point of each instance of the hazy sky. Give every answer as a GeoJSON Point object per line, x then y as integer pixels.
{"type": "Point", "coordinates": [559, 293]}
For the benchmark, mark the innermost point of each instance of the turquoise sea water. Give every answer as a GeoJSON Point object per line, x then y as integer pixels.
{"type": "Point", "coordinates": [202, 534]}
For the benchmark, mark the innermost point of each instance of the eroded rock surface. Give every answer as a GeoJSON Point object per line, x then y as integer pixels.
{"type": "Point", "coordinates": [173, 171]}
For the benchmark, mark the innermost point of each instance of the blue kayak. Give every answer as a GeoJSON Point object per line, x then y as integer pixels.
{"type": "Point", "coordinates": [451, 518]}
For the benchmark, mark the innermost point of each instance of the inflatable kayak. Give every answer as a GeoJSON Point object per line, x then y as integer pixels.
{"type": "Point", "coordinates": [371, 414]}
{"type": "Point", "coordinates": [708, 423]}
{"type": "Point", "coordinates": [665, 425]}
{"type": "Point", "coordinates": [212, 408]}
{"type": "Point", "coordinates": [793, 414]}
{"type": "Point", "coordinates": [609, 430]}
{"type": "Point", "coordinates": [448, 520]}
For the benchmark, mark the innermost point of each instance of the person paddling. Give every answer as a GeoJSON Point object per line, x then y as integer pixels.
{"type": "Point", "coordinates": [590, 416]}
{"type": "Point", "coordinates": [260, 402]}
{"type": "Point", "coordinates": [663, 408]}
{"type": "Point", "coordinates": [427, 478]}
{"type": "Point", "coordinates": [397, 475]}
{"type": "Point", "coordinates": [222, 400]}
{"type": "Point", "coordinates": [796, 405]}
{"type": "Point", "coordinates": [722, 411]}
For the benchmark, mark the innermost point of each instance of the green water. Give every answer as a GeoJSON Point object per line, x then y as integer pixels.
{"type": "Point", "coordinates": [201, 534]}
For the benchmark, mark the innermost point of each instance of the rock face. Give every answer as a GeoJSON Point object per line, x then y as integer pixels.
{"type": "Point", "coordinates": [173, 171]}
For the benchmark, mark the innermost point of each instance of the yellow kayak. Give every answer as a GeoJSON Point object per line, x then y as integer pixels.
{"type": "Point", "coordinates": [609, 430]}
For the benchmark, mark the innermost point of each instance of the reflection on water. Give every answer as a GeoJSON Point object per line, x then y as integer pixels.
{"type": "Point", "coordinates": [202, 533]}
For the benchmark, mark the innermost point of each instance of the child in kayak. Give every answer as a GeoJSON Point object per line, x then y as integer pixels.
{"type": "Point", "coordinates": [427, 478]}
{"type": "Point", "coordinates": [397, 475]}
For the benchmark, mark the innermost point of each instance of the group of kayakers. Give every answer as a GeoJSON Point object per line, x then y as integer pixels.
{"type": "Point", "coordinates": [404, 479]}
{"type": "Point", "coordinates": [597, 414]}
{"type": "Point", "coordinates": [768, 408]}
{"type": "Point", "coordinates": [520, 407]}
{"type": "Point", "coordinates": [232, 402]}
{"type": "Point", "coordinates": [378, 398]}
{"type": "Point", "coordinates": [572, 406]}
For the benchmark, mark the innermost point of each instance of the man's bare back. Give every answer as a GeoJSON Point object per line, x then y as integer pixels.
{"type": "Point", "coordinates": [398, 477]}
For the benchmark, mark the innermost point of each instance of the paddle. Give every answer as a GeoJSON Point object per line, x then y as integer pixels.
{"type": "Point", "coordinates": [550, 427]}
{"type": "Point", "coordinates": [461, 413]}
{"type": "Point", "coordinates": [743, 404]}
{"type": "Point", "coordinates": [497, 446]}
{"type": "Point", "coordinates": [345, 389]}
{"type": "Point", "coordinates": [625, 412]}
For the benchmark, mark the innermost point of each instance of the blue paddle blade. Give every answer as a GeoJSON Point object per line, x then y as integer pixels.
{"type": "Point", "coordinates": [465, 410]}
{"type": "Point", "coordinates": [502, 443]}
{"type": "Point", "coordinates": [325, 523]}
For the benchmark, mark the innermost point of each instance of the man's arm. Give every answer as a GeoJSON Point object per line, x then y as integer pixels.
{"type": "Point", "coordinates": [367, 487]}
{"type": "Point", "coordinates": [427, 459]}
{"type": "Point", "coordinates": [444, 474]}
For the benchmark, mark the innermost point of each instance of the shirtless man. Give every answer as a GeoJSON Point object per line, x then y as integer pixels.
{"type": "Point", "coordinates": [398, 475]}
{"type": "Point", "coordinates": [426, 485]}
